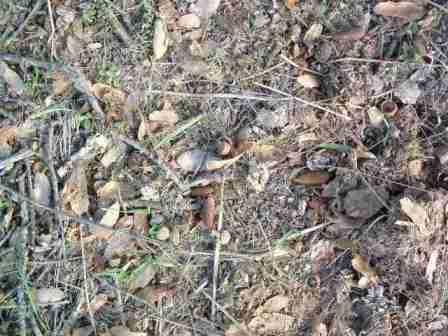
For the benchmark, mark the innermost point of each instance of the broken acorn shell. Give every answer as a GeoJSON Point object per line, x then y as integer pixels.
{"type": "Point", "coordinates": [389, 108]}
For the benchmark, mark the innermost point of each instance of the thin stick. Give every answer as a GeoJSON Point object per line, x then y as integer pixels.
{"type": "Point", "coordinates": [436, 5]}
{"type": "Point", "coordinates": [217, 251]}
{"type": "Point", "coordinates": [373, 60]}
{"type": "Point", "coordinates": [287, 60]}
{"type": "Point", "coordinates": [216, 95]}
{"type": "Point", "coordinates": [33, 12]}
{"type": "Point", "coordinates": [261, 73]}
{"type": "Point", "coordinates": [53, 29]}
{"type": "Point", "coordinates": [303, 101]}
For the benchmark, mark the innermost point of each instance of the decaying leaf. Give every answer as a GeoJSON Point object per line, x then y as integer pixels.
{"type": "Point", "coordinates": [417, 213]}
{"type": "Point", "coordinates": [311, 178]}
{"type": "Point", "coordinates": [402, 9]}
{"type": "Point", "coordinates": [109, 219]}
{"type": "Point", "coordinates": [114, 99]}
{"type": "Point", "coordinates": [8, 135]}
{"type": "Point", "coordinates": [60, 84]}
{"type": "Point", "coordinates": [271, 323]}
{"type": "Point", "coordinates": [209, 212]}
{"type": "Point", "coordinates": [273, 305]}
{"type": "Point", "coordinates": [141, 224]}
{"type": "Point", "coordinates": [142, 277]}
{"type": "Point", "coordinates": [124, 331]}
{"type": "Point", "coordinates": [313, 33]}
{"type": "Point", "coordinates": [160, 40]}
{"type": "Point", "coordinates": [197, 160]}
{"type": "Point", "coordinates": [49, 295]}
{"type": "Point", "coordinates": [11, 78]}
{"type": "Point", "coordinates": [189, 21]}
{"type": "Point", "coordinates": [208, 7]}
{"type": "Point", "coordinates": [74, 194]}
{"type": "Point", "coordinates": [291, 3]}
{"type": "Point", "coordinates": [166, 116]}
{"type": "Point", "coordinates": [308, 81]}
{"type": "Point", "coordinates": [41, 189]}
{"type": "Point", "coordinates": [362, 266]}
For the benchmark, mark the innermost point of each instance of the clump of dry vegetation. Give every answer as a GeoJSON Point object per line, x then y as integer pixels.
{"type": "Point", "coordinates": [207, 167]}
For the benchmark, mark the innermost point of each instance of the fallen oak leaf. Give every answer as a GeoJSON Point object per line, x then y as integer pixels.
{"type": "Point", "coordinates": [403, 9]}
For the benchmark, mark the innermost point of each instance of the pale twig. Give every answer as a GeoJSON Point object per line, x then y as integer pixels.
{"type": "Point", "coordinates": [303, 101]}
{"type": "Point", "coordinates": [268, 70]}
{"type": "Point", "coordinates": [287, 60]}
{"type": "Point", "coordinates": [373, 60]}
{"type": "Point", "coordinates": [53, 30]}
{"type": "Point", "coordinates": [86, 284]}
{"type": "Point", "coordinates": [217, 96]}
{"type": "Point", "coordinates": [217, 250]}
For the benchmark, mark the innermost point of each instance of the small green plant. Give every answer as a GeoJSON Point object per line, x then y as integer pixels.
{"type": "Point", "coordinates": [32, 85]}
{"type": "Point", "coordinates": [109, 73]}
{"type": "Point", "coordinates": [82, 121]}
{"type": "Point", "coordinates": [153, 230]}
{"type": "Point", "coordinates": [89, 14]}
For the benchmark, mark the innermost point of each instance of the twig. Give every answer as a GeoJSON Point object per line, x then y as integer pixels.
{"type": "Point", "coordinates": [217, 251]}
{"type": "Point", "coordinates": [268, 70]}
{"type": "Point", "coordinates": [217, 95]}
{"type": "Point", "coordinates": [373, 60]}
{"type": "Point", "coordinates": [53, 29]}
{"type": "Point", "coordinates": [20, 252]}
{"type": "Point", "coordinates": [436, 5]}
{"type": "Point", "coordinates": [287, 60]}
{"type": "Point", "coordinates": [303, 101]}
{"type": "Point", "coordinates": [33, 12]}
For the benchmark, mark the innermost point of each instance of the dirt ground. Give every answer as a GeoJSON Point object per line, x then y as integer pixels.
{"type": "Point", "coordinates": [206, 167]}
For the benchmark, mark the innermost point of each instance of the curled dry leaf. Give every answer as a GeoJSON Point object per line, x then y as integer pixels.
{"type": "Point", "coordinates": [49, 295]}
{"type": "Point", "coordinates": [189, 21]}
{"type": "Point", "coordinates": [142, 277]}
{"type": "Point", "coordinates": [402, 9]}
{"type": "Point", "coordinates": [208, 7]}
{"type": "Point", "coordinates": [160, 41]}
{"type": "Point", "coordinates": [115, 99]}
{"type": "Point", "coordinates": [11, 78]}
{"type": "Point", "coordinates": [308, 81]}
{"type": "Point", "coordinates": [311, 178]}
{"type": "Point", "coordinates": [209, 212]}
{"type": "Point", "coordinates": [74, 194]}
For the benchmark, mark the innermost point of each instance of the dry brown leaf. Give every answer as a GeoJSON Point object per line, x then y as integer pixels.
{"type": "Point", "coordinates": [109, 219]}
{"type": "Point", "coordinates": [98, 301]}
{"type": "Point", "coordinates": [41, 189]}
{"type": "Point", "coordinates": [311, 178]}
{"type": "Point", "coordinates": [166, 116]}
{"type": "Point", "coordinates": [351, 35]}
{"type": "Point", "coordinates": [308, 81]}
{"type": "Point", "coordinates": [142, 277]}
{"type": "Point", "coordinates": [8, 135]}
{"type": "Point", "coordinates": [291, 3]}
{"type": "Point", "coordinates": [60, 84]}
{"type": "Point", "coordinates": [160, 40]}
{"type": "Point", "coordinates": [156, 294]}
{"type": "Point", "coordinates": [361, 265]}
{"type": "Point", "coordinates": [124, 331]}
{"type": "Point", "coordinates": [11, 78]}
{"type": "Point", "coordinates": [313, 33]}
{"type": "Point", "coordinates": [115, 99]}
{"type": "Point", "coordinates": [49, 295]}
{"type": "Point", "coordinates": [273, 305]}
{"type": "Point", "coordinates": [272, 323]}
{"type": "Point", "coordinates": [189, 21]}
{"type": "Point", "coordinates": [403, 9]}
{"type": "Point", "coordinates": [109, 190]}
{"type": "Point", "coordinates": [209, 212]}
{"type": "Point", "coordinates": [417, 214]}
{"type": "Point", "coordinates": [208, 7]}
{"type": "Point", "coordinates": [74, 194]}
